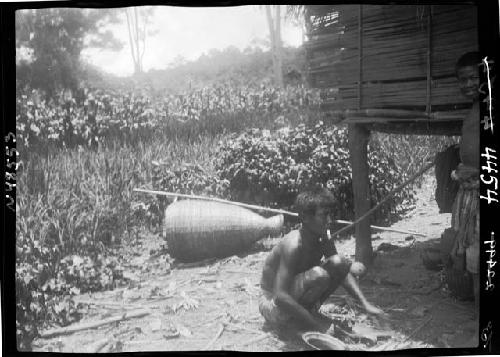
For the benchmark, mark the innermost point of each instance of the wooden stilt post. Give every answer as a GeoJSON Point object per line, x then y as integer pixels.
{"type": "Point", "coordinates": [358, 148]}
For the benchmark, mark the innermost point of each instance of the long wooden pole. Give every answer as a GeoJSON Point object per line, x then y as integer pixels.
{"type": "Point", "coordinates": [261, 208]}
{"type": "Point", "coordinates": [429, 59]}
{"type": "Point", "coordinates": [93, 324]}
{"type": "Point", "coordinates": [386, 198]}
{"type": "Point", "coordinates": [360, 56]}
{"type": "Point", "coordinates": [387, 229]}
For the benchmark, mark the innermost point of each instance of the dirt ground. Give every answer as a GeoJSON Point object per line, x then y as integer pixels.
{"type": "Point", "coordinates": [214, 305]}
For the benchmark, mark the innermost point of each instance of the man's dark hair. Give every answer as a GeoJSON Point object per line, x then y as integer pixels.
{"type": "Point", "coordinates": [311, 199]}
{"type": "Point", "coordinates": [468, 59]}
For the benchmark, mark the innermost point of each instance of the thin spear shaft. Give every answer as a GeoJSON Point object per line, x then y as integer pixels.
{"type": "Point", "coordinates": [261, 208]}
{"type": "Point", "coordinates": [386, 198]}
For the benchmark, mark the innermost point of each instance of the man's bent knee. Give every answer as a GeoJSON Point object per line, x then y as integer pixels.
{"type": "Point", "coordinates": [337, 265]}
{"type": "Point", "coordinates": [317, 275]}
{"type": "Point", "coordinates": [312, 286]}
{"type": "Point", "coordinates": [314, 278]}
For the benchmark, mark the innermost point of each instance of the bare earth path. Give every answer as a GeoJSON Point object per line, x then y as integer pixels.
{"type": "Point", "coordinates": [213, 306]}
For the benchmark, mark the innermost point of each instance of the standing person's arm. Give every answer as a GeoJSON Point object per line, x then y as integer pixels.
{"type": "Point", "coordinates": [284, 278]}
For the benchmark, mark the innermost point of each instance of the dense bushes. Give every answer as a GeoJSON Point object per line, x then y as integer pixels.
{"type": "Point", "coordinates": [270, 168]}
{"type": "Point", "coordinates": [43, 297]}
{"type": "Point", "coordinates": [87, 117]}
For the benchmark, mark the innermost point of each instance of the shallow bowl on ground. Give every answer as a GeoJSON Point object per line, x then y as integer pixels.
{"type": "Point", "coordinates": [323, 341]}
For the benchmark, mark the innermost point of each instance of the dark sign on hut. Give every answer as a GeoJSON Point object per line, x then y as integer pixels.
{"type": "Point", "coordinates": [391, 63]}
{"type": "Point", "coordinates": [388, 68]}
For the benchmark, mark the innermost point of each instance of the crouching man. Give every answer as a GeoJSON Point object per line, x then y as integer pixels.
{"type": "Point", "coordinates": [304, 269]}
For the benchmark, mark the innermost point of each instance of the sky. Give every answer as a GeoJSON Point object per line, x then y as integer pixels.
{"type": "Point", "coordinates": [190, 32]}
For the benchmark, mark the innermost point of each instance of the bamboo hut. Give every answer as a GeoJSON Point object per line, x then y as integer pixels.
{"type": "Point", "coordinates": [388, 68]}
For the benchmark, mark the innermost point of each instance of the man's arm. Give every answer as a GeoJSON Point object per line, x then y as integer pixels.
{"type": "Point", "coordinates": [284, 278]}
{"type": "Point", "coordinates": [329, 249]}
{"type": "Point", "coordinates": [351, 286]}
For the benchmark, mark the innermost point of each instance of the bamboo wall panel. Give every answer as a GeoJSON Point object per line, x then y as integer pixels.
{"type": "Point", "coordinates": [404, 56]}
{"type": "Point", "coordinates": [394, 53]}
{"type": "Point", "coordinates": [412, 94]}
{"type": "Point", "coordinates": [445, 51]}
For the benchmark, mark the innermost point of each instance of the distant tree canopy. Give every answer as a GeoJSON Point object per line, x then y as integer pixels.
{"type": "Point", "coordinates": [49, 43]}
{"type": "Point", "coordinates": [231, 66]}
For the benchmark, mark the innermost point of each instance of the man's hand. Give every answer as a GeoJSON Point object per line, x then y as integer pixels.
{"type": "Point", "coordinates": [371, 309]}
{"type": "Point", "coordinates": [331, 330]}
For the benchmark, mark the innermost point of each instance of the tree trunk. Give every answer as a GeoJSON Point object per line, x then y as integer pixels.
{"type": "Point", "coordinates": [275, 36]}
{"type": "Point", "coordinates": [358, 147]}
{"type": "Point", "coordinates": [135, 39]}
{"type": "Point", "coordinates": [131, 39]}
{"type": "Point", "coordinates": [278, 48]}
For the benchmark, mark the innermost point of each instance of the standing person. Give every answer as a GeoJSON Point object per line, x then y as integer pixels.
{"type": "Point", "coordinates": [465, 212]}
{"type": "Point", "coordinates": [304, 268]}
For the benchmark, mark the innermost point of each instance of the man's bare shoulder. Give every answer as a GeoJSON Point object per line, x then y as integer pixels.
{"type": "Point", "coordinates": [291, 241]}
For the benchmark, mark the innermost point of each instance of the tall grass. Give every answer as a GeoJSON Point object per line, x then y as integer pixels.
{"type": "Point", "coordinates": [75, 201]}
{"type": "Point", "coordinates": [84, 194]}
{"type": "Point", "coordinates": [81, 203]}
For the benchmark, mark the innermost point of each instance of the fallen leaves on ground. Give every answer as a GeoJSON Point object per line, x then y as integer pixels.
{"type": "Point", "coordinates": [187, 303]}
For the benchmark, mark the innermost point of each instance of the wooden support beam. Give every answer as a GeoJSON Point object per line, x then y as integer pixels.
{"type": "Point", "coordinates": [360, 55]}
{"type": "Point", "coordinates": [415, 128]}
{"type": "Point", "coordinates": [429, 59]}
{"type": "Point", "coordinates": [358, 150]}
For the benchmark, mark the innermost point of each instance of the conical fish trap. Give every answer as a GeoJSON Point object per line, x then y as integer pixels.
{"type": "Point", "coordinates": [197, 230]}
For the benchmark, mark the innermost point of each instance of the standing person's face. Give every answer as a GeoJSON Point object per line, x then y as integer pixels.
{"type": "Point", "coordinates": [468, 81]}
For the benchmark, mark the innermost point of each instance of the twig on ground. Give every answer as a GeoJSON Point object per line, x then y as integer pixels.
{"type": "Point", "coordinates": [98, 346]}
{"type": "Point", "coordinates": [240, 327]}
{"type": "Point", "coordinates": [142, 342]}
{"type": "Point", "coordinates": [195, 264]}
{"type": "Point", "coordinates": [241, 271]}
{"type": "Point", "coordinates": [210, 322]}
{"type": "Point", "coordinates": [216, 337]}
{"type": "Point", "coordinates": [93, 324]}
{"type": "Point", "coordinates": [427, 291]}
{"type": "Point", "coordinates": [249, 342]}
{"type": "Point", "coordinates": [159, 298]}
{"type": "Point", "coordinates": [419, 327]}
{"type": "Point", "coordinates": [255, 317]}
{"type": "Point", "coordinates": [107, 303]}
